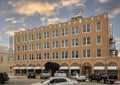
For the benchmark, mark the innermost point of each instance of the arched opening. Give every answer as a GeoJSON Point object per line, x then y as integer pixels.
{"type": "Point", "coordinates": [30, 68]}
{"type": "Point", "coordinates": [38, 69]}
{"type": "Point", "coordinates": [64, 67]}
{"type": "Point", "coordinates": [75, 69]}
{"type": "Point", "coordinates": [113, 69]}
{"type": "Point", "coordinates": [23, 69]}
{"type": "Point", "coordinates": [99, 67]}
{"type": "Point", "coordinates": [86, 69]}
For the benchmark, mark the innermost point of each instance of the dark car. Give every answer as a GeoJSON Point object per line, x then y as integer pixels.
{"type": "Point", "coordinates": [31, 75]}
{"type": "Point", "coordinates": [1, 81]}
{"type": "Point", "coordinates": [4, 76]}
{"type": "Point", "coordinates": [103, 77]}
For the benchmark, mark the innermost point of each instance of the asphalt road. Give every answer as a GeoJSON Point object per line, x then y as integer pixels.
{"type": "Point", "coordinates": [25, 81]}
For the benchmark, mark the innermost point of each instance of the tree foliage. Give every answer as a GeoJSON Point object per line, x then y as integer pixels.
{"type": "Point", "coordinates": [52, 66]}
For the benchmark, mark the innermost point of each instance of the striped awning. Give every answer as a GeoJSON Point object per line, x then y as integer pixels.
{"type": "Point", "coordinates": [75, 67]}
{"type": "Point", "coordinates": [112, 67]}
{"type": "Point", "coordinates": [64, 67]}
{"type": "Point", "coordinates": [16, 67]}
{"type": "Point", "coordinates": [99, 67]}
{"type": "Point", "coordinates": [38, 67]}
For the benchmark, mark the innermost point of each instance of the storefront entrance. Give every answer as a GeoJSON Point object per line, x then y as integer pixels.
{"type": "Point", "coordinates": [86, 70]}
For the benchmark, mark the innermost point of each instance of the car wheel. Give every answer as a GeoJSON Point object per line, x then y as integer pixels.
{"type": "Point", "coordinates": [103, 81]}
{"type": "Point", "coordinates": [111, 82]}
{"type": "Point", "coordinates": [90, 79]}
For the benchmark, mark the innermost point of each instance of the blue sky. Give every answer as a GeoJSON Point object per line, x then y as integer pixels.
{"type": "Point", "coordinates": [19, 15]}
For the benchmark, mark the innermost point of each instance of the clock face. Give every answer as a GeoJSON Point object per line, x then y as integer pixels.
{"type": "Point", "coordinates": [78, 12]}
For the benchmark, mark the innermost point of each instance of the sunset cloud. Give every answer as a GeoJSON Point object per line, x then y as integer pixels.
{"type": "Point", "coordinates": [11, 32]}
{"type": "Point", "coordinates": [53, 20]}
{"type": "Point", "coordinates": [103, 1]}
{"type": "Point", "coordinates": [30, 8]}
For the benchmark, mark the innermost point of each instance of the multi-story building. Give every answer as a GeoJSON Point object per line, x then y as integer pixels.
{"type": "Point", "coordinates": [5, 63]}
{"type": "Point", "coordinates": [82, 45]}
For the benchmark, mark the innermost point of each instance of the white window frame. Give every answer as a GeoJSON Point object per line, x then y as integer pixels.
{"type": "Point", "coordinates": [64, 43]}
{"type": "Point", "coordinates": [85, 28]}
{"type": "Point", "coordinates": [75, 42]}
{"type": "Point", "coordinates": [31, 56]}
{"type": "Point", "coordinates": [46, 56]}
{"type": "Point", "coordinates": [38, 36]}
{"type": "Point", "coordinates": [87, 41]}
{"type": "Point", "coordinates": [46, 45]}
{"type": "Point", "coordinates": [98, 40]}
{"type": "Point", "coordinates": [75, 30]}
{"type": "Point", "coordinates": [98, 26]}
{"type": "Point", "coordinates": [46, 35]}
{"type": "Point", "coordinates": [55, 44]}
{"type": "Point", "coordinates": [38, 56]}
{"type": "Point", "coordinates": [97, 53]}
{"type": "Point", "coordinates": [55, 33]}
{"type": "Point", "coordinates": [75, 54]}
{"type": "Point", "coordinates": [87, 53]}
{"type": "Point", "coordinates": [64, 32]}
{"type": "Point", "coordinates": [64, 55]}
{"type": "Point", "coordinates": [55, 56]}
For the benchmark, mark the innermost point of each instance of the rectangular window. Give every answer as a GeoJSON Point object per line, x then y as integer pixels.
{"type": "Point", "coordinates": [18, 48]}
{"type": "Point", "coordinates": [64, 32]}
{"type": "Point", "coordinates": [75, 42]}
{"type": "Point", "coordinates": [24, 38]}
{"type": "Point", "coordinates": [38, 56]}
{"type": "Point", "coordinates": [64, 43]}
{"type": "Point", "coordinates": [98, 52]}
{"type": "Point", "coordinates": [75, 30]}
{"type": "Point", "coordinates": [64, 55]}
{"type": "Point", "coordinates": [38, 36]}
{"type": "Point", "coordinates": [55, 33]}
{"type": "Point", "coordinates": [55, 55]}
{"type": "Point", "coordinates": [46, 45]}
{"type": "Point", "coordinates": [98, 40]}
{"type": "Point", "coordinates": [31, 47]}
{"type": "Point", "coordinates": [24, 57]}
{"type": "Point", "coordinates": [18, 58]}
{"type": "Point", "coordinates": [46, 56]}
{"type": "Point", "coordinates": [86, 41]}
{"type": "Point", "coordinates": [86, 28]}
{"type": "Point", "coordinates": [17, 39]}
{"type": "Point", "coordinates": [46, 35]}
{"type": "Point", "coordinates": [98, 26]}
{"type": "Point", "coordinates": [86, 53]}
{"type": "Point", "coordinates": [75, 54]}
{"type": "Point", "coordinates": [31, 57]}
{"type": "Point", "coordinates": [24, 48]}
{"type": "Point", "coordinates": [31, 37]}
{"type": "Point", "coordinates": [38, 46]}
{"type": "Point", "coordinates": [55, 44]}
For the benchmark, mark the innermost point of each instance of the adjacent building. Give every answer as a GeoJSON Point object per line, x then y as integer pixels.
{"type": "Point", "coordinates": [81, 45]}
{"type": "Point", "coordinates": [5, 63]}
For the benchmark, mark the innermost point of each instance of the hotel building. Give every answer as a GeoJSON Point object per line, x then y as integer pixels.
{"type": "Point", "coordinates": [83, 45]}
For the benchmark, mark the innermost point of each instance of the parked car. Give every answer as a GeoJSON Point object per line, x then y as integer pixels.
{"type": "Point", "coordinates": [1, 81]}
{"type": "Point", "coordinates": [81, 77]}
{"type": "Point", "coordinates": [4, 76]}
{"type": "Point", "coordinates": [103, 77]}
{"type": "Point", "coordinates": [31, 75]}
{"type": "Point", "coordinates": [45, 74]}
{"type": "Point", "coordinates": [58, 81]}
{"type": "Point", "coordinates": [60, 73]}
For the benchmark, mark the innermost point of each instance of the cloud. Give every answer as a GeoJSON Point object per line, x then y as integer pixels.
{"type": "Point", "coordinates": [72, 2]}
{"type": "Point", "coordinates": [30, 8]}
{"type": "Point", "coordinates": [53, 20]}
{"type": "Point", "coordinates": [115, 11]}
{"type": "Point", "coordinates": [11, 20]}
{"type": "Point", "coordinates": [11, 32]}
{"type": "Point", "coordinates": [103, 1]}
{"type": "Point", "coordinates": [117, 39]}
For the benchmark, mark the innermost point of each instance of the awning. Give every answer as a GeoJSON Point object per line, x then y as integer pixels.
{"type": "Point", "coordinates": [75, 67]}
{"type": "Point", "coordinates": [64, 67]}
{"type": "Point", "coordinates": [16, 67]}
{"type": "Point", "coordinates": [99, 68]}
{"type": "Point", "coordinates": [23, 67]}
{"type": "Point", "coordinates": [43, 68]}
{"type": "Point", "coordinates": [112, 67]}
{"type": "Point", "coordinates": [38, 67]}
{"type": "Point", "coordinates": [29, 67]}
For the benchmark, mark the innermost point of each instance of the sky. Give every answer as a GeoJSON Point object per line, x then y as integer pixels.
{"type": "Point", "coordinates": [20, 15]}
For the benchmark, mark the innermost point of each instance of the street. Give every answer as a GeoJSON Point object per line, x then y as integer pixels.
{"type": "Point", "coordinates": [25, 81]}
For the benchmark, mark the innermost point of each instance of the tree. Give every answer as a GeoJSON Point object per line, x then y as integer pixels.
{"type": "Point", "coordinates": [52, 67]}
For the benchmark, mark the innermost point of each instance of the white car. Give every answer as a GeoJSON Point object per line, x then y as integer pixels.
{"type": "Point", "coordinates": [58, 81]}
{"type": "Point", "coordinates": [60, 74]}
{"type": "Point", "coordinates": [81, 78]}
